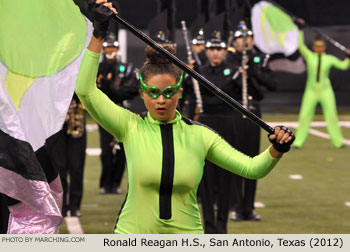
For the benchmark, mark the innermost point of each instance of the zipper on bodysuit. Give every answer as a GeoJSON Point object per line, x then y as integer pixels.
{"type": "Point", "coordinates": [167, 179]}
{"type": "Point", "coordinates": [318, 68]}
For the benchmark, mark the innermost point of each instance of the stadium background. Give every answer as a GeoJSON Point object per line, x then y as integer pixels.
{"type": "Point", "coordinates": [308, 192]}
{"type": "Point", "coordinates": [332, 19]}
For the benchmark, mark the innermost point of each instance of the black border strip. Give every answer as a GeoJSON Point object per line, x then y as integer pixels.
{"type": "Point", "coordinates": [168, 163]}
{"type": "Point", "coordinates": [18, 156]}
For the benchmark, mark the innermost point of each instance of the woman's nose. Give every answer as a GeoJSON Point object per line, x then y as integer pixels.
{"type": "Point", "coordinates": [161, 99]}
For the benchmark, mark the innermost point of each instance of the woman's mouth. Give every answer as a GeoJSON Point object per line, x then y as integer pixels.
{"type": "Point", "coordinates": [161, 110]}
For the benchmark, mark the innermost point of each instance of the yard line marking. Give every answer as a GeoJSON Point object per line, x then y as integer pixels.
{"type": "Point", "coordinates": [325, 135]}
{"type": "Point", "coordinates": [73, 225]}
{"type": "Point", "coordinates": [259, 205]}
{"type": "Point", "coordinates": [313, 124]}
{"type": "Point", "coordinates": [313, 131]}
{"type": "Point", "coordinates": [287, 124]}
{"type": "Point", "coordinates": [295, 176]}
{"type": "Point", "coordinates": [91, 127]}
{"type": "Point", "coordinates": [319, 133]}
{"type": "Point", "coordinates": [93, 151]}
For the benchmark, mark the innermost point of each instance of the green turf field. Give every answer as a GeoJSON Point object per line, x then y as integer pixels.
{"type": "Point", "coordinates": [314, 204]}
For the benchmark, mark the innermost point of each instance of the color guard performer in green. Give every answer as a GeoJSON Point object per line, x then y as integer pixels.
{"type": "Point", "coordinates": [319, 89]}
{"type": "Point", "coordinates": [165, 152]}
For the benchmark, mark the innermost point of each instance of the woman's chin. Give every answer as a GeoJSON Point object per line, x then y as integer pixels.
{"type": "Point", "coordinates": [163, 117]}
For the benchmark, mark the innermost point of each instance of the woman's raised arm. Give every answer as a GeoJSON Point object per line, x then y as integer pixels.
{"type": "Point", "coordinates": [115, 119]}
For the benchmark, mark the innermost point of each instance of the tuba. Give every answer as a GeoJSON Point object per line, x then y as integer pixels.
{"type": "Point", "coordinates": [75, 119]}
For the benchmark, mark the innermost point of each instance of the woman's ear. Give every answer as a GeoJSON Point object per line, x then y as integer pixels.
{"type": "Point", "coordinates": [180, 91]}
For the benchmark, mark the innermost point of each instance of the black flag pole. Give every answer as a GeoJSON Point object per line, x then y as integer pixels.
{"type": "Point", "coordinates": [203, 81]}
{"type": "Point", "coordinates": [325, 36]}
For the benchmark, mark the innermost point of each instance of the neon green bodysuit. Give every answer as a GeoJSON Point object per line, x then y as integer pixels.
{"type": "Point", "coordinates": [319, 90]}
{"type": "Point", "coordinates": [165, 161]}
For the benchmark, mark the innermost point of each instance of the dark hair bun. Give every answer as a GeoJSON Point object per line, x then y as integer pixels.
{"type": "Point", "coordinates": [318, 37]}
{"type": "Point", "coordinates": [155, 57]}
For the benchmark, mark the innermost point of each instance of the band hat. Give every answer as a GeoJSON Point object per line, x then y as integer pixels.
{"type": "Point", "coordinates": [161, 38]}
{"type": "Point", "coordinates": [199, 39]}
{"type": "Point", "coordinates": [110, 41]}
{"type": "Point", "coordinates": [239, 33]}
{"type": "Point", "coordinates": [110, 44]}
{"type": "Point", "coordinates": [215, 32]}
{"type": "Point", "coordinates": [158, 29]}
{"type": "Point", "coordinates": [216, 41]}
{"type": "Point", "coordinates": [197, 30]}
{"type": "Point", "coordinates": [213, 43]}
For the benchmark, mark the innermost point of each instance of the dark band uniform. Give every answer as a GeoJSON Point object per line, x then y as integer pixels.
{"type": "Point", "coordinates": [122, 86]}
{"type": "Point", "coordinates": [68, 157]}
{"type": "Point", "coordinates": [216, 114]}
{"type": "Point", "coordinates": [248, 134]}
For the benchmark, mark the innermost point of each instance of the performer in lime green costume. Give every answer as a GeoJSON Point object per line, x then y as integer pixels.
{"type": "Point", "coordinates": [165, 152]}
{"type": "Point", "coordinates": [319, 90]}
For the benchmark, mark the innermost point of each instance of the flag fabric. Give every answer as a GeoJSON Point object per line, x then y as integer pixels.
{"type": "Point", "coordinates": [276, 34]}
{"type": "Point", "coordinates": [274, 31]}
{"type": "Point", "coordinates": [286, 65]}
{"type": "Point", "coordinates": [41, 47]}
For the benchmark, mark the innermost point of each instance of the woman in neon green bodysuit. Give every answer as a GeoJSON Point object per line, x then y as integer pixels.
{"type": "Point", "coordinates": [319, 90]}
{"type": "Point", "coordinates": [165, 152]}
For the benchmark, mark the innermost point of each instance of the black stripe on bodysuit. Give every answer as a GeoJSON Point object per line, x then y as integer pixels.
{"type": "Point", "coordinates": [168, 163]}
{"type": "Point", "coordinates": [318, 68]}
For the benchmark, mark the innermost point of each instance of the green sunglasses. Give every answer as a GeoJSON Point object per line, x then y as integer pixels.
{"type": "Point", "coordinates": [155, 92]}
{"type": "Point", "coordinates": [319, 45]}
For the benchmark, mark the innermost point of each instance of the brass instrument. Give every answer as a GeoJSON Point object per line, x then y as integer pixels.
{"type": "Point", "coordinates": [75, 119]}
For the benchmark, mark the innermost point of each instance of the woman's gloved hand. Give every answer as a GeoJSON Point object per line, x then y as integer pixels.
{"type": "Point", "coordinates": [282, 139]}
